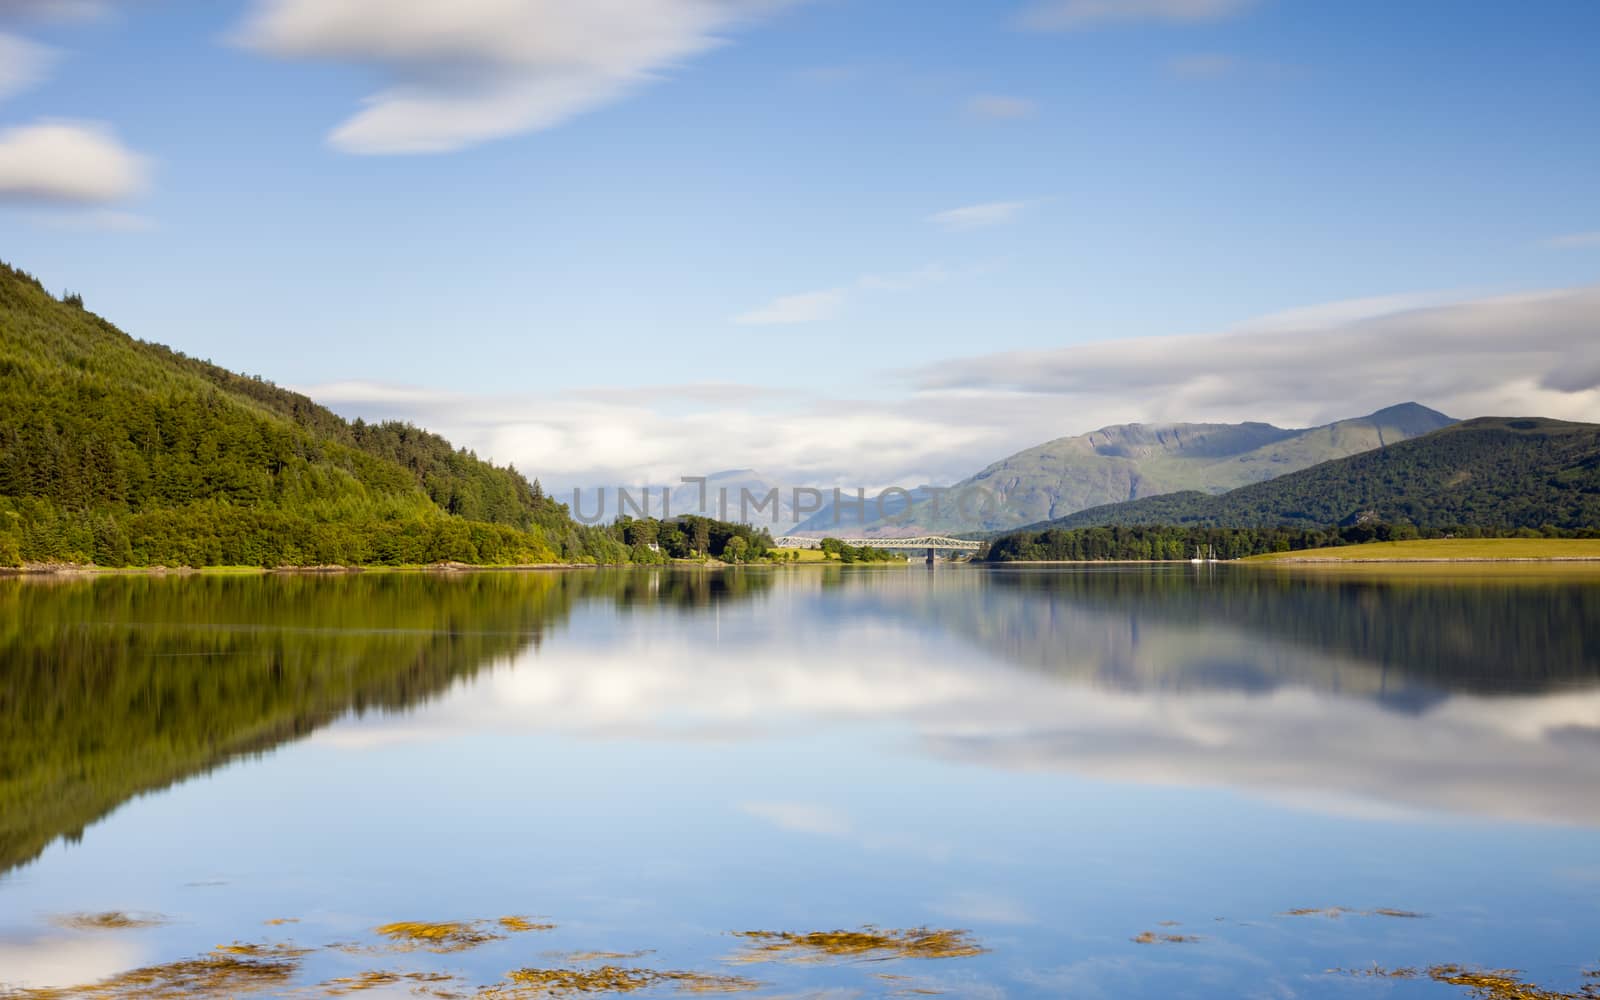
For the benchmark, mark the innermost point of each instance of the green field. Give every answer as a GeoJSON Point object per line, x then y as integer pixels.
{"type": "Point", "coordinates": [805, 555]}
{"type": "Point", "coordinates": [1444, 549]}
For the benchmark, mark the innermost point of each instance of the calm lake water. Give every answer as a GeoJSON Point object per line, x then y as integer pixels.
{"type": "Point", "coordinates": [1109, 782]}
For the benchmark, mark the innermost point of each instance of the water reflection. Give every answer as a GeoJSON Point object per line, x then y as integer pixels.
{"type": "Point", "coordinates": [113, 687]}
{"type": "Point", "coordinates": [1477, 697]}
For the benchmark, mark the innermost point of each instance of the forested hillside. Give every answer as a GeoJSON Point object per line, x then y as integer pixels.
{"type": "Point", "coordinates": [1488, 474]}
{"type": "Point", "coordinates": [120, 452]}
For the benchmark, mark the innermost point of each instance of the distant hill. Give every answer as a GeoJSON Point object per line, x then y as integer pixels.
{"type": "Point", "coordinates": [723, 493]}
{"type": "Point", "coordinates": [845, 518]}
{"type": "Point", "coordinates": [1492, 472]}
{"type": "Point", "coordinates": [1130, 461]}
{"type": "Point", "coordinates": [122, 452]}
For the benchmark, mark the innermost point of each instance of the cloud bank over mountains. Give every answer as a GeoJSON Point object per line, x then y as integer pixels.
{"type": "Point", "coordinates": [1513, 355]}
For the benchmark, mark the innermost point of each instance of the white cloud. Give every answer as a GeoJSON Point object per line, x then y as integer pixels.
{"type": "Point", "coordinates": [1574, 240]}
{"type": "Point", "coordinates": [993, 213]}
{"type": "Point", "coordinates": [612, 437]}
{"type": "Point", "coordinates": [806, 307]}
{"type": "Point", "coordinates": [1320, 738]}
{"type": "Point", "coordinates": [1069, 15]}
{"type": "Point", "coordinates": [22, 64]}
{"type": "Point", "coordinates": [71, 162]}
{"type": "Point", "coordinates": [1510, 355]}
{"type": "Point", "coordinates": [472, 70]}
{"type": "Point", "coordinates": [1532, 354]}
{"type": "Point", "coordinates": [999, 106]}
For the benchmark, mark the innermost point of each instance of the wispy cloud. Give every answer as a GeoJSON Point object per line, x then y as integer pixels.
{"type": "Point", "coordinates": [1070, 15]}
{"type": "Point", "coordinates": [1572, 241]}
{"type": "Point", "coordinates": [992, 213]}
{"type": "Point", "coordinates": [1000, 107]}
{"type": "Point", "coordinates": [69, 163]}
{"type": "Point", "coordinates": [805, 307]}
{"type": "Point", "coordinates": [22, 64]}
{"type": "Point", "coordinates": [800, 817]}
{"type": "Point", "coordinates": [826, 304]}
{"type": "Point", "coordinates": [468, 71]}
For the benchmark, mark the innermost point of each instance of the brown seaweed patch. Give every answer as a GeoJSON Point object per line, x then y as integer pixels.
{"type": "Point", "coordinates": [1151, 937]}
{"type": "Point", "coordinates": [526, 984]}
{"type": "Point", "coordinates": [604, 956]}
{"type": "Point", "coordinates": [377, 979]}
{"type": "Point", "coordinates": [280, 921]}
{"type": "Point", "coordinates": [870, 943]}
{"type": "Point", "coordinates": [1483, 984]}
{"type": "Point", "coordinates": [215, 976]}
{"type": "Point", "coordinates": [261, 950]}
{"type": "Point", "coordinates": [440, 938]}
{"type": "Point", "coordinates": [1335, 912]}
{"type": "Point", "coordinates": [522, 925]}
{"type": "Point", "coordinates": [111, 920]}
{"type": "Point", "coordinates": [904, 986]}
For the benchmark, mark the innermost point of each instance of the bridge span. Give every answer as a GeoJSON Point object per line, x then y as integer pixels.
{"type": "Point", "coordinates": [928, 543]}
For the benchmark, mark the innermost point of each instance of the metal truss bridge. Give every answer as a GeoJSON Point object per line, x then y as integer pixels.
{"type": "Point", "coordinates": [927, 543]}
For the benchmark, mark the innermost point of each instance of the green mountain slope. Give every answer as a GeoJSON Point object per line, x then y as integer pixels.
{"type": "Point", "coordinates": [1131, 461]}
{"type": "Point", "coordinates": [1491, 472]}
{"type": "Point", "coordinates": [119, 452]}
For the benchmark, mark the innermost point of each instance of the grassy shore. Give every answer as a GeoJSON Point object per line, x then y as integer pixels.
{"type": "Point", "coordinates": [1446, 550]}
{"type": "Point", "coordinates": [813, 557]}
{"type": "Point", "coordinates": [803, 555]}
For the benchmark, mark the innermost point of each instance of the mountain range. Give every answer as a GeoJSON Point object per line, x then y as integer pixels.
{"type": "Point", "coordinates": [1126, 462]}
{"type": "Point", "coordinates": [1490, 472]}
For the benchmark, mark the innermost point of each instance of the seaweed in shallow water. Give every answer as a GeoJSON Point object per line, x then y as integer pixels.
{"type": "Point", "coordinates": [440, 938]}
{"type": "Point", "coordinates": [111, 920]}
{"type": "Point", "coordinates": [870, 943]}
{"type": "Point", "coordinates": [1483, 984]}
{"type": "Point", "coordinates": [529, 984]}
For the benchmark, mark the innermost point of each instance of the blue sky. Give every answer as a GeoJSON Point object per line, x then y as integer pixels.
{"type": "Point", "coordinates": [643, 237]}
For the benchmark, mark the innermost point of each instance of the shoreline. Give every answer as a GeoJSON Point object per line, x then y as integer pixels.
{"type": "Point", "coordinates": [1427, 560]}
{"type": "Point", "coordinates": [77, 569]}
{"type": "Point", "coordinates": [63, 570]}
